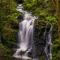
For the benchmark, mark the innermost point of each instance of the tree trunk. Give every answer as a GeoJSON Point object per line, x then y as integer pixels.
{"type": "Point", "coordinates": [58, 15]}
{"type": "Point", "coordinates": [56, 3]}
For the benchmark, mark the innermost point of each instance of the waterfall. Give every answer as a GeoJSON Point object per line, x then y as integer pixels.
{"type": "Point", "coordinates": [25, 34]}
{"type": "Point", "coordinates": [48, 47]}
{"type": "Point", "coordinates": [25, 37]}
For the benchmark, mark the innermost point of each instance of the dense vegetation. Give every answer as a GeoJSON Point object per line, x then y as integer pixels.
{"type": "Point", "coordinates": [46, 12]}
{"type": "Point", "coordinates": [8, 27]}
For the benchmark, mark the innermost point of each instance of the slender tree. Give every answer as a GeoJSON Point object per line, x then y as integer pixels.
{"type": "Point", "coordinates": [56, 3]}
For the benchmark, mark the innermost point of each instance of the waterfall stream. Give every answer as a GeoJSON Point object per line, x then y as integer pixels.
{"type": "Point", "coordinates": [48, 46]}
{"type": "Point", "coordinates": [25, 37]}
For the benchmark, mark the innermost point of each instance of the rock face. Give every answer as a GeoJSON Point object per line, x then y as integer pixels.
{"type": "Point", "coordinates": [42, 38]}
{"type": "Point", "coordinates": [39, 40]}
{"type": "Point", "coordinates": [19, 1]}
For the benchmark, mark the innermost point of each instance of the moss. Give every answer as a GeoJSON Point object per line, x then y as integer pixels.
{"type": "Point", "coordinates": [5, 53]}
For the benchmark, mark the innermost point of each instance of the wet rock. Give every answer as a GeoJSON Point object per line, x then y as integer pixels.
{"type": "Point", "coordinates": [20, 1]}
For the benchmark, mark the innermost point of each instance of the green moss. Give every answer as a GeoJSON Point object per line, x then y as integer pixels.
{"type": "Point", "coordinates": [5, 53]}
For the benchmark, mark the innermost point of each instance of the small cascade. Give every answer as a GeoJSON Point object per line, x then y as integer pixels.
{"type": "Point", "coordinates": [48, 47]}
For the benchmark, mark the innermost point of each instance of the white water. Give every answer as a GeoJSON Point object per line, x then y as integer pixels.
{"type": "Point", "coordinates": [48, 47]}
{"type": "Point", "coordinates": [25, 34]}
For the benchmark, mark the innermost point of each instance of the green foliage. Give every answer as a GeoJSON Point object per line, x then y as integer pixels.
{"type": "Point", "coordinates": [5, 53]}
{"type": "Point", "coordinates": [43, 9]}
{"type": "Point", "coordinates": [56, 49]}
{"type": "Point", "coordinates": [8, 27]}
{"type": "Point", "coordinates": [8, 21]}
{"type": "Point", "coordinates": [51, 19]}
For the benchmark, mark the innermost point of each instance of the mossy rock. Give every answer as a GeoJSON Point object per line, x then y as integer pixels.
{"type": "Point", "coordinates": [5, 53]}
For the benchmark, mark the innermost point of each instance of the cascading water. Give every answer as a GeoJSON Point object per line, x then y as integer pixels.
{"type": "Point", "coordinates": [48, 48]}
{"type": "Point", "coordinates": [25, 34]}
